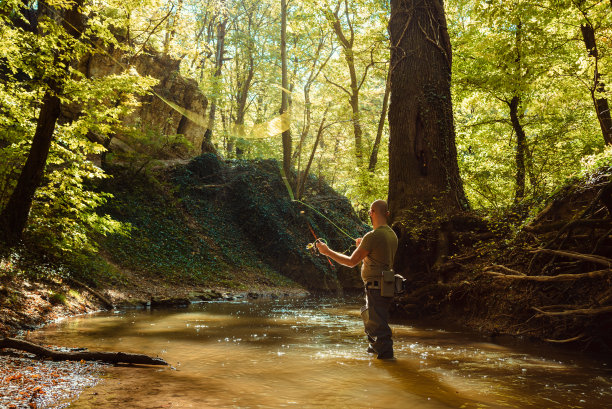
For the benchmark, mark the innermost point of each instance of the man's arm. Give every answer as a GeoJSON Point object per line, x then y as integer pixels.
{"type": "Point", "coordinates": [349, 261]}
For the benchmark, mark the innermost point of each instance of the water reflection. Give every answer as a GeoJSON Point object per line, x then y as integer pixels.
{"type": "Point", "coordinates": [311, 353]}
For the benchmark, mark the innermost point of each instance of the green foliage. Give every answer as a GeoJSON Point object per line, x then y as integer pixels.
{"type": "Point", "coordinates": [534, 51]}
{"type": "Point", "coordinates": [63, 217]}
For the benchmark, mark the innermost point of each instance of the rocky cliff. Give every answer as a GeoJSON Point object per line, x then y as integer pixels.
{"type": "Point", "coordinates": [154, 115]}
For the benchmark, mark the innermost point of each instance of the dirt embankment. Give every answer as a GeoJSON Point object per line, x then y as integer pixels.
{"type": "Point", "coordinates": [548, 280]}
{"type": "Point", "coordinates": [202, 229]}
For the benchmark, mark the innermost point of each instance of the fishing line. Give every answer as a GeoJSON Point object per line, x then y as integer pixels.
{"type": "Point", "coordinates": [293, 199]}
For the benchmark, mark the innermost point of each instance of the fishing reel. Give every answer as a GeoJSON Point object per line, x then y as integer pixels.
{"type": "Point", "coordinates": [312, 247]}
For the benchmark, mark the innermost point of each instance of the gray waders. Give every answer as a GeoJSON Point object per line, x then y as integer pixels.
{"type": "Point", "coordinates": [375, 315]}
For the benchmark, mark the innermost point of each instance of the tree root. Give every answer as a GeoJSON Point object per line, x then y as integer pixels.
{"type": "Point", "coordinates": [506, 269]}
{"type": "Point", "coordinates": [571, 254]}
{"type": "Point", "coordinates": [558, 277]}
{"type": "Point", "coordinates": [563, 226]}
{"type": "Point", "coordinates": [565, 341]}
{"type": "Point", "coordinates": [581, 311]}
{"type": "Point", "coordinates": [108, 357]}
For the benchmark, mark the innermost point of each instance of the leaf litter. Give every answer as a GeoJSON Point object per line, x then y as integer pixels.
{"type": "Point", "coordinates": [27, 383]}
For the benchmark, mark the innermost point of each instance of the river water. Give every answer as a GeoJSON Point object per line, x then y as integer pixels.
{"type": "Point", "coordinates": [311, 353]}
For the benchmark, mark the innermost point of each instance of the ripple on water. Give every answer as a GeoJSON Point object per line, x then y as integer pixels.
{"type": "Point", "coordinates": [311, 353]}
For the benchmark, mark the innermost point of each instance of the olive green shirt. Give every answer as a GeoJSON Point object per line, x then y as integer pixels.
{"type": "Point", "coordinates": [381, 243]}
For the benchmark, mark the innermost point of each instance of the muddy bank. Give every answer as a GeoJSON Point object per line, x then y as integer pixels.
{"type": "Point", "coordinates": [546, 278]}
{"type": "Point", "coordinates": [30, 382]}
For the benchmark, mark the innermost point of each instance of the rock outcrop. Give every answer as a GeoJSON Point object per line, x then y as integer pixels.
{"type": "Point", "coordinates": [155, 115]}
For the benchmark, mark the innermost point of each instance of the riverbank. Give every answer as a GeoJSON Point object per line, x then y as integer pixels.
{"type": "Point", "coordinates": [28, 303]}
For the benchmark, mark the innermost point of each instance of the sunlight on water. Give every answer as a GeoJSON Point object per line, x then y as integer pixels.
{"type": "Point", "coordinates": [310, 353]}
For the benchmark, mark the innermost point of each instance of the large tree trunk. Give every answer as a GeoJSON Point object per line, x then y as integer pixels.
{"type": "Point", "coordinates": [14, 216]}
{"type": "Point", "coordinates": [423, 169]}
{"type": "Point", "coordinates": [521, 149]}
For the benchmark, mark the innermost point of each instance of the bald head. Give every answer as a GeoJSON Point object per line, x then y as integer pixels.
{"type": "Point", "coordinates": [379, 212]}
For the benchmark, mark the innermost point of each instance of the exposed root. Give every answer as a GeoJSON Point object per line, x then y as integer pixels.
{"type": "Point", "coordinates": [582, 311]}
{"type": "Point", "coordinates": [572, 254]}
{"type": "Point", "coordinates": [558, 277]}
{"type": "Point", "coordinates": [565, 341]}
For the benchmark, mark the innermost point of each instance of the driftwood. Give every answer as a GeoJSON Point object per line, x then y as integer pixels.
{"type": "Point", "coordinates": [580, 256]}
{"type": "Point", "coordinates": [108, 357]}
{"type": "Point", "coordinates": [558, 277]}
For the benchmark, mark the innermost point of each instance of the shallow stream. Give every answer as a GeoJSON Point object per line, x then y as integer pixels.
{"type": "Point", "coordinates": [311, 353]}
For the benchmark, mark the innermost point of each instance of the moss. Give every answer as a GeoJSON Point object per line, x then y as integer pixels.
{"type": "Point", "coordinates": [217, 223]}
{"type": "Point", "coordinates": [57, 298]}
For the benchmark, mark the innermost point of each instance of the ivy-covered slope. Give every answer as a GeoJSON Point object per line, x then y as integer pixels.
{"type": "Point", "coordinates": [228, 223]}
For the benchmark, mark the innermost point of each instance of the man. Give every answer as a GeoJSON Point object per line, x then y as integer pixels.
{"type": "Point", "coordinates": [377, 251]}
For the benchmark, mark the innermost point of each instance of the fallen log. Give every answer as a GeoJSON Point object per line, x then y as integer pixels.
{"type": "Point", "coordinates": [558, 277]}
{"type": "Point", "coordinates": [108, 357]}
{"type": "Point", "coordinates": [571, 254]}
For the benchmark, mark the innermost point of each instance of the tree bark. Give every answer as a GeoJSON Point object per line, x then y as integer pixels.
{"type": "Point", "coordinates": [14, 216]}
{"type": "Point", "coordinates": [207, 145]}
{"type": "Point", "coordinates": [602, 107]}
{"type": "Point", "coordinates": [381, 125]}
{"type": "Point", "coordinates": [286, 135]}
{"type": "Point", "coordinates": [521, 147]}
{"type": "Point", "coordinates": [423, 169]}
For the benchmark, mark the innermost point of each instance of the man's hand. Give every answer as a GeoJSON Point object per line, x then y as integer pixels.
{"type": "Point", "coordinates": [358, 241]}
{"type": "Point", "coordinates": [322, 247]}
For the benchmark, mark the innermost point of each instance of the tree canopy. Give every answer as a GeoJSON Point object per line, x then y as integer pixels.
{"type": "Point", "coordinates": [530, 85]}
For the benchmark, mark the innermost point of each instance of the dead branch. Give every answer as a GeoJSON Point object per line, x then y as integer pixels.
{"type": "Point", "coordinates": [108, 357]}
{"type": "Point", "coordinates": [571, 254]}
{"type": "Point", "coordinates": [558, 277]}
{"type": "Point", "coordinates": [581, 311]}
{"type": "Point", "coordinates": [107, 303]}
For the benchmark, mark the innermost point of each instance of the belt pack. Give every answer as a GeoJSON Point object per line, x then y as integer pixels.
{"type": "Point", "coordinates": [391, 284]}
